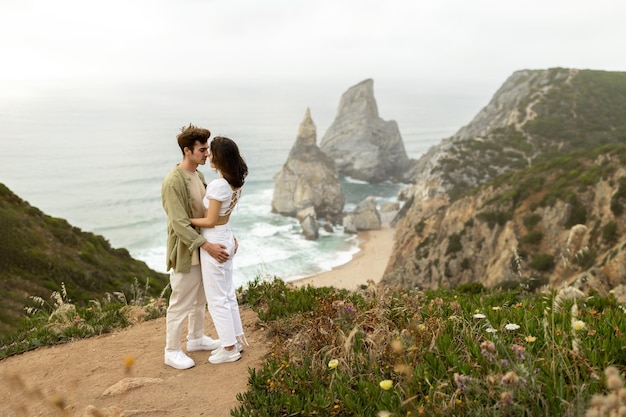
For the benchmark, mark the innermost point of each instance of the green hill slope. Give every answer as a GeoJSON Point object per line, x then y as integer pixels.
{"type": "Point", "coordinates": [39, 252]}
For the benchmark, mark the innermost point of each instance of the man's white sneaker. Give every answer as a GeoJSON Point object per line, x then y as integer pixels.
{"type": "Point", "coordinates": [177, 359]}
{"type": "Point", "coordinates": [203, 343]}
{"type": "Point", "coordinates": [222, 355]}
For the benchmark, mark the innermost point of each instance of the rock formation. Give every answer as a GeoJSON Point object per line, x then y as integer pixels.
{"type": "Point", "coordinates": [363, 145]}
{"type": "Point", "coordinates": [308, 179]}
{"type": "Point", "coordinates": [365, 216]}
{"type": "Point", "coordinates": [308, 222]}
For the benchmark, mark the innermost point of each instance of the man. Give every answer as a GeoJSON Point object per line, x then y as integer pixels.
{"type": "Point", "coordinates": [182, 193]}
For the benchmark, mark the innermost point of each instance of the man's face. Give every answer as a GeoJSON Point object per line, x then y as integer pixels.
{"type": "Point", "coordinates": [200, 153]}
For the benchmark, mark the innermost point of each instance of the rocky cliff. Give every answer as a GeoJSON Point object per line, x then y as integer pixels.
{"type": "Point", "coordinates": [455, 229]}
{"type": "Point", "coordinates": [308, 178]}
{"type": "Point", "coordinates": [363, 145]}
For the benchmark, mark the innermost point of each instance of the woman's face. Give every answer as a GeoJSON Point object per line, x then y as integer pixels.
{"type": "Point", "coordinates": [211, 159]}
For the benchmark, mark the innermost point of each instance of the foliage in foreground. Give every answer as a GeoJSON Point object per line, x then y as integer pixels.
{"type": "Point", "coordinates": [377, 352]}
{"type": "Point", "coordinates": [60, 320]}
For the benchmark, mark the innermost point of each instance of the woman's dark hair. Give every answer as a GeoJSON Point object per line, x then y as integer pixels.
{"type": "Point", "coordinates": [226, 158]}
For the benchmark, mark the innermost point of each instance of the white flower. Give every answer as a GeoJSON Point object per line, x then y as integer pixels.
{"type": "Point", "coordinates": [479, 316]}
{"type": "Point", "coordinates": [511, 326]}
{"type": "Point", "coordinates": [491, 330]}
{"type": "Point", "coordinates": [579, 325]}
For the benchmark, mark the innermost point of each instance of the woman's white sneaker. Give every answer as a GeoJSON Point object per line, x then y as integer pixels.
{"type": "Point", "coordinates": [222, 355]}
{"type": "Point", "coordinates": [237, 346]}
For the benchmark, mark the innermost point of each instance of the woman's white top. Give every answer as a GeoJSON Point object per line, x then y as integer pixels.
{"type": "Point", "coordinates": [221, 191]}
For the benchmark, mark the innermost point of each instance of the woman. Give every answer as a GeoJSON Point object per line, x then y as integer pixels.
{"type": "Point", "coordinates": [221, 197]}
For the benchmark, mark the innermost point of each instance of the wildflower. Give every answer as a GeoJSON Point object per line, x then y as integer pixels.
{"type": "Point", "coordinates": [333, 363]}
{"type": "Point", "coordinates": [396, 346]}
{"type": "Point", "coordinates": [487, 349]}
{"type": "Point", "coordinates": [488, 345]}
{"type": "Point", "coordinates": [614, 382]}
{"type": "Point", "coordinates": [611, 370]}
{"type": "Point", "coordinates": [578, 325]}
{"type": "Point", "coordinates": [519, 351]}
{"type": "Point", "coordinates": [506, 399]}
{"type": "Point", "coordinates": [460, 380]}
{"type": "Point", "coordinates": [129, 361]}
{"type": "Point", "coordinates": [530, 339]}
{"type": "Point", "coordinates": [421, 327]}
{"type": "Point", "coordinates": [512, 326]}
{"type": "Point", "coordinates": [496, 308]}
{"type": "Point", "coordinates": [510, 378]}
{"type": "Point", "coordinates": [384, 413]}
{"type": "Point", "coordinates": [402, 368]}
{"type": "Point", "coordinates": [491, 330]}
{"type": "Point", "coordinates": [479, 316]}
{"type": "Point", "coordinates": [386, 384]}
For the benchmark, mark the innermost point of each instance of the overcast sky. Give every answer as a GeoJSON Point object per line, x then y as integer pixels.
{"type": "Point", "coordinates": [419, 41]}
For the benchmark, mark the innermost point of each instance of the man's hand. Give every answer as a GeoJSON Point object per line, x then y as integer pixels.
{"type": "Point", "coordinates": [216, 250]}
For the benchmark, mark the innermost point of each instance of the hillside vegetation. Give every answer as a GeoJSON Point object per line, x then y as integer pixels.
{"type": "Point", "coordinates": [536, 180]}
{"type": "Point", "coordinates": [39, 252]}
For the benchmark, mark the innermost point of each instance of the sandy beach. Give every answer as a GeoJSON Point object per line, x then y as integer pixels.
{"type": "Point", "coordinates": [368, 263]}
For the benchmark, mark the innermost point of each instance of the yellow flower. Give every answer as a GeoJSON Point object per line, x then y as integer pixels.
{"type": "Point", "coordinates": [530, 339]}
{"type": "Point", "coordinates": [386, 384]}
{"type": "Point", "coordinates": [333, 363]}
{"type": "Point", "coordinates": [578, 325]}
{"type": "Point", "coordinates": [496, 308]}
{"type": "Point", "coordinates": [129, 361]}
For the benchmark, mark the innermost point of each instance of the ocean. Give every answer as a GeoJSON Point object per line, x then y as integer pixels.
{"type": "Point", "coordinates": [95, 154]}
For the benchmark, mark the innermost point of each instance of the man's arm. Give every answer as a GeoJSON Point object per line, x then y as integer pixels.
{"type": "Point", "coordinates": [175, 209]}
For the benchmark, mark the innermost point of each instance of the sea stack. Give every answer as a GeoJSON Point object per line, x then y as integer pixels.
{"type": "Point", "coordinates": [308, 180]}
{"type": "Point", "coordinates": [364, 146]}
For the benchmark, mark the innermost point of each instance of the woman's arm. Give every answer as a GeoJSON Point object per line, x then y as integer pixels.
{"type": "Point", "coordinates": [212, 215]}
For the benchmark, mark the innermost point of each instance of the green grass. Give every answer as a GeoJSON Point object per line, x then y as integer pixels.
{"type": "Point", "coordinates": [447, 353]}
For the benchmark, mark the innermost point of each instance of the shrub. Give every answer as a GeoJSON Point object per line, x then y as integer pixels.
{"type": "Point", "coordinates": [542, 262]}
{"type": "Point", "coordinates": [533, 237]}
{"type": "Point", "coordinates": [609, 232]}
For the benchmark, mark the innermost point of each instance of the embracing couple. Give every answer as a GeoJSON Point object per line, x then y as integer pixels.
{"type": "Point", "coordinates": [200, 248]}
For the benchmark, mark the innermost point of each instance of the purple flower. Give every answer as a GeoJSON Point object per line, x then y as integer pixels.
{"type": "Point", "coordinates": [519, 351]}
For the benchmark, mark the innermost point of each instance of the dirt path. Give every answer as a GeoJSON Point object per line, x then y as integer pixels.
{"type": "Point", "coordinates": [81, 377]}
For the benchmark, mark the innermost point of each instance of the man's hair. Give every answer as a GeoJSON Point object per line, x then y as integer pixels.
{"type": "Point", "coordinates": [189, 135]}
